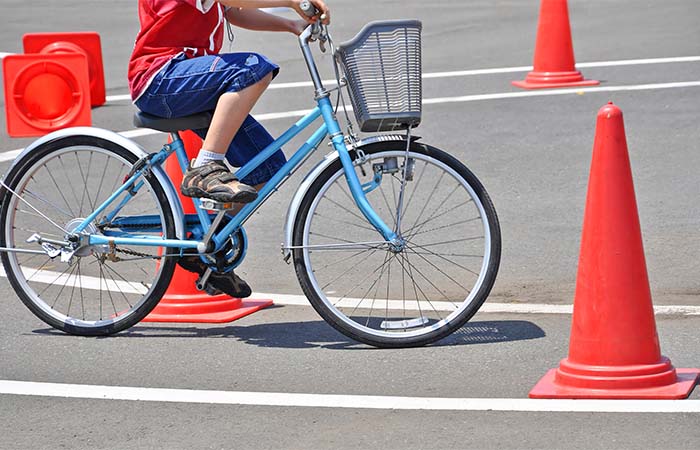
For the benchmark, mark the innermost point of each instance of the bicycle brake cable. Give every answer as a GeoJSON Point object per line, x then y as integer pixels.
{"type": "Point", "coordinates": [341, 99]}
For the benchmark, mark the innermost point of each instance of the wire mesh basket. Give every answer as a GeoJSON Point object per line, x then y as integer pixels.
{"type": "Point", "coordinates": [383, 67]}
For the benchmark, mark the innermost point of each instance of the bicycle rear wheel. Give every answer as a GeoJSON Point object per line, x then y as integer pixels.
{"type": "Point", "coordinates": [413, 296]}
{"type": "Point", "coordinates": [103, 289]}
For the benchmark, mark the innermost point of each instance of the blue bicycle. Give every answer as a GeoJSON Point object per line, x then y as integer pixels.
{"type": "Point", "coordinates": [395, 243]}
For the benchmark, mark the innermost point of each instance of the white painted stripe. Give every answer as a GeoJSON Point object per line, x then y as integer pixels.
{"type": "Point", "coordinates": [473, 72]}
{"type": "Point", "coordinates": [281, 399]}
{"type": "Point", "coordinates": [635, 62]}
{"type": "Point", "coordinates": [503, 308]}
{"type": "Point", "coordinates": [12, 154]}
{"type": "Point", "coordinates": [118, 98]}
{"type": "Point", "coordinates": [94, 283]}
{"type": "Point", "coordinates": [551, 92]}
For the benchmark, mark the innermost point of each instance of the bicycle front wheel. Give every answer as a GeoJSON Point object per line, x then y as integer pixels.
{"type": "Point", "coordinates": [102, 289]}
{"type": "Point", "coordinates": [389, 297]}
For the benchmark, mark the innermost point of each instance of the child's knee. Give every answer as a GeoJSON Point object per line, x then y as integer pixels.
{"type": "Point", "coordinates": [266, 80]}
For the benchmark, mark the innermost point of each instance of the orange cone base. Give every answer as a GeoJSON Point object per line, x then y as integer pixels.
{"type": "Point", "coordinates": [544, 80]}
{"type": "Point", "coordinates": [655, 381]}
{"type": "Point", "coordinates": [202, 308]}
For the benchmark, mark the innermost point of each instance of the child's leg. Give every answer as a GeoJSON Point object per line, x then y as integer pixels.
{"type": "Point", "coordinates": [229, 85]}
{"type": "Point", "coordinates": [231, 110]}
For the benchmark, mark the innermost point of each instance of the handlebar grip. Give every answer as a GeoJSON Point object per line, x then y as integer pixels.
{"type": "Point", "coordinates": [308, 8]}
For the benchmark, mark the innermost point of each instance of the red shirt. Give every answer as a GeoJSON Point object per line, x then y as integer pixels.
{"type": "Point", "coordinates": [171, 27]}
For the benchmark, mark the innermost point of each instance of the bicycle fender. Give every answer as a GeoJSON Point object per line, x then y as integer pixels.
{"type": "Point", "coordinates": [132, 147]}
{"type": "Point", "coordinates": [308, 180]}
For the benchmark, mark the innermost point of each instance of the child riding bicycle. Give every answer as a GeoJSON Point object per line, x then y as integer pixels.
{"type": "Point", "coordinates": [176, 69]}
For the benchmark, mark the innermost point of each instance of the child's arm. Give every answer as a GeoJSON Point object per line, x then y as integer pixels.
{"type": "Point", "coordinates": [294, 4]}
{"type": "Point", "coordinates": [254, 19]}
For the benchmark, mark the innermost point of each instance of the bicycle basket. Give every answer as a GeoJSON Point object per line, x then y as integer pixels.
{"type": "Point", "coordinates": [382, 65]}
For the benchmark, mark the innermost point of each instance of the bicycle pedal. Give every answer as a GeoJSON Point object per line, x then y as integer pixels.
{"type": "Point", "coordinates": [212, 205]}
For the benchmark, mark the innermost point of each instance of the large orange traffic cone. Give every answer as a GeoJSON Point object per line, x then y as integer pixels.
{"type": "Point", "coordinates": [614, 349]}
{"type": "Point", "coordinates": [182, 301]}
{"type": "Point", "coordinates": [82, 43]}
{"type": "Point", "coordinates": [554, 53]}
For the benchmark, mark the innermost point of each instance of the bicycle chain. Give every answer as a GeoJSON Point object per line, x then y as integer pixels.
{"type": "Point", "coordinates": [134, 253]}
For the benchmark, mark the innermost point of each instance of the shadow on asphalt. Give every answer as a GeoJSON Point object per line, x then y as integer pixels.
{"type": "Point", "coordinates": [320, 334]}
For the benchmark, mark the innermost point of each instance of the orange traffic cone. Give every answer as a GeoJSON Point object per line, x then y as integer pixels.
{"type": "Point", "coordinates": [182, 302]}
{"type": "Point", "coordinates": [83, 43]}
{"type": "Point", "coordinates": [614, 349]}
{"type": "Point", "coordinates": [44, 93]}
{"type": "Point", "coordinates": [554, 52]}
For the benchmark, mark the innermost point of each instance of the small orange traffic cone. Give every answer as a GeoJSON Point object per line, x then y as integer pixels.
{"type": "Point", "coordinates": [554, 53]}
{"type": "Point", "coordinates": [44, 93]}
{"type": "Point", "coordinates": [182, 302]}
{"type": "Point", "coordinates": [614, 348]}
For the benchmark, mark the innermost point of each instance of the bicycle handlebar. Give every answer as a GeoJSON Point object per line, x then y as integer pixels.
{"type": "Point", "coordinates": [308, 8]}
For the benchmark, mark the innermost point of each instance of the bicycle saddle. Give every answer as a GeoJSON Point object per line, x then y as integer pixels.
{"type": "Point", "coordinates": [193, 122]}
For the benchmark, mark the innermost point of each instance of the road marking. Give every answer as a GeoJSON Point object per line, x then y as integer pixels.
{"type": "Point", "coordinates": [118, 98]}
{"type": "Point", "coordinates": [503, 308]}
{"type": "Point", "coordinates": [12, 154]}
{"type": "Point", "coordinates": [281, 399]}
{"type": "Point", "coordinates": [542, 93]}
{"type": "Point", "coordinates": [473, 72]}
{"type": "Point", "coordinates": [94, 283]}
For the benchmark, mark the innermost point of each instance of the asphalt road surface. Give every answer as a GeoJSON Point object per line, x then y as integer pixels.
{"type": "Point", "coordinates": [532, 151]}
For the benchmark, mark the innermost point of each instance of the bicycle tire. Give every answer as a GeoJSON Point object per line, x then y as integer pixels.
{"type": "Point", "coordinates": [385, 333]}
{"type": "Point", "coordinates": [28, 176]}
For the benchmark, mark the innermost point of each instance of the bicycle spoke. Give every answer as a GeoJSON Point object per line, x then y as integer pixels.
{"type": "Point", "coordinates": [348, 223]}
{"type": "Point", "coordinates": [46, 202]}
{"type": "Point", "coordinates": [346, 209]}
{"type": "Point", "coordinates": [60, 191]}
{"type": "Point", "coordinates": [19, 197]}
{"type": "Point", "coordinates": [86, 192]}
{"type": "Point", "coordinates": [432, 216]}
{"type": "Point", "coordinates": [415, 189]}
{"type": "Point", "coordinates": [412, 268]}
{"type": "Point", "coordinates": [360, 283]}
{"type": "Point", "coordinates": [461, 222]}
{"type": "Point", "coordinates": [102, 179]}
{"type": "Point", "coordinates": [342, 275]}
{"type": "Point", "coordinates": [80, 283]}
{"type": "Point", "coordinates": [386, 202]}
{"type": "Point", "coordinates": [443, 272]}
{"type": "Point", "coordinates": [80, 212]}
{"type": "Point", "coordinates": [445, 259]}
{"type": "Point", "coordinates": [109, 269]}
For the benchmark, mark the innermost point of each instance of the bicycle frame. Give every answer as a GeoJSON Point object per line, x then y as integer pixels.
{"type": "Point", "coordinates": [330, 127]}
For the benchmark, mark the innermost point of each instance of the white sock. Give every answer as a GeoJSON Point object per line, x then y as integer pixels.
{"type": "Point", "coordinates": [205, 156]}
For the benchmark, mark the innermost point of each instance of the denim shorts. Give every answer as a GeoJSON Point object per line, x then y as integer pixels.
{"type": "Point", "coordinates": [192, 85]}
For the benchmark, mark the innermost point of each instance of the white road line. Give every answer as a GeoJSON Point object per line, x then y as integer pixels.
{"type": "Point", "coordinates": [282, 399]}
{"type": "Point", "coordinates": [12, 154]}
{"type": "Point", "coordinates": [473, 72]}
{"type": "Point", "coordinates": [94, 283]}
{"type": "Point", "coordinates": [488, 307]}
{"type": "Point", "coordinates": [578, 91]}
{"type": "Point", "coordinates": [118, 98]}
